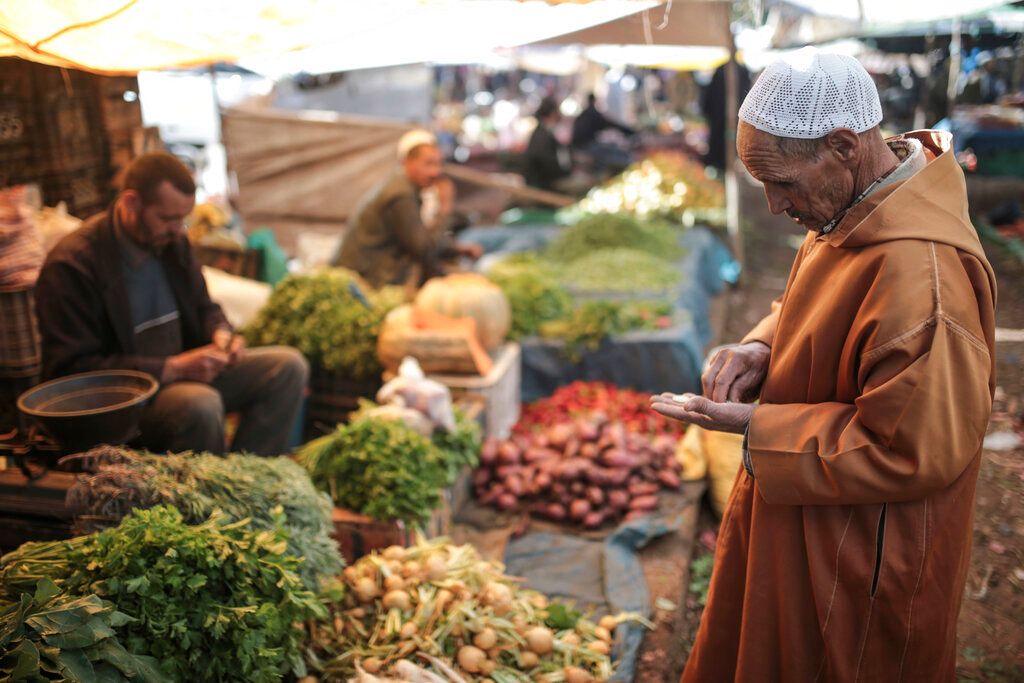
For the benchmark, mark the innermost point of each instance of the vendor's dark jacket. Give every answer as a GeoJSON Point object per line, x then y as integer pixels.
{"type": "Point", "coordinates": [82, 304]}
{"type": "Point", "coordinates": [387, 242]}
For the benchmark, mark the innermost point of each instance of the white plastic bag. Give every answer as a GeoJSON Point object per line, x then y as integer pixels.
{"type": "Point", "coordinates": [411, 389]}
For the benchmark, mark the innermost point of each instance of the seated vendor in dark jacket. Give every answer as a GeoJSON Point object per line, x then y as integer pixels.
{"type": "Point", "coordinates": [125, 292]}
{"type": "Point", "coordinates": [400, 230]}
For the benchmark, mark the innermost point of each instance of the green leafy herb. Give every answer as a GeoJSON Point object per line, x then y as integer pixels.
{"type": "Point", "coordinates": [562, 616]}
{"type": "Point", "coordinates": [620, 270]}
{"type": "Point", "coordinates": [604, 231]}
{"type": "Point", "coordinates": [379, 468]}
{"type": "Point", "coordinates": [240, 486]}
{"type": "Point", "coordinates": [324, 316]}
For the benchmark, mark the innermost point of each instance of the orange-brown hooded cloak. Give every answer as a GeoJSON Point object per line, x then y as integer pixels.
{"type": "Point", "coordinates": [845, 557]}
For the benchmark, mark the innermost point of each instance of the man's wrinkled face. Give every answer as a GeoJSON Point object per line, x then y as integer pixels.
{"type": "Point", "coordinates": [810, 190]}
{"type": "Point", "coordinates": [423, 165]}
{"type": "Point", "coordinates": [156, 223]}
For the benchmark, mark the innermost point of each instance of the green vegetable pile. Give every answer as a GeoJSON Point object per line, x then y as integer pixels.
{"type": "Point", "coordinates": [52, 636]}
{"type": "Point", "coordinates": [332, 316]}
{"type": "Point", "coordinates": [594, 321]}
{"type": "Point", "coordinates": [460, 448]}
{"type": "Point", "coordinates": [379, 468]}
{"type": "Point", "coordinates": [607, 231]}
{"type": "Point", "coordinates": [215, 601]}
{"type": "Point", "coordinates": [620, 270]}
{"type": "Point", "coordinates": [240, 486]}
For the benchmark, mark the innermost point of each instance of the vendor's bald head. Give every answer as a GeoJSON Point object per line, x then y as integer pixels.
{"type": "Point", "coordinates": [158, 193]}
{"type": "Point", "coordinates": [809, 132]}
{"type": "Point", "coordinates": [421, 157]}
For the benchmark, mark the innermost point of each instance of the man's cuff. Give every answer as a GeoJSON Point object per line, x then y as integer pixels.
{"type": "Point", "coordinates": [748, 465]}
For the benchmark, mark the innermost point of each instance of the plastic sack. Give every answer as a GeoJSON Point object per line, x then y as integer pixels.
{"type": "Point", "coordinates": [411, 389]}
{"type": "Point", "coordinates": [53, 223]}
{"type": "Point", "coordinates": [718, 455]}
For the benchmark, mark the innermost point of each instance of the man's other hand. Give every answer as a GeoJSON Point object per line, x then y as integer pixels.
{"type": "Point", "coordinates": [230, 343]}
{"type": "Point", "coordinates": [202, 364]}
{"type": "Point", "coordinates": [693, 409]}
{"type": "Point", "coordinates": [473, 251]}
{"type": "Point", "coordinates": [737, 372]}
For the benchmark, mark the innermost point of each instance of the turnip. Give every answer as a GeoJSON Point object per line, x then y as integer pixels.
{"type": "Point", "coordinates": [396, 598]}
{"type": "Point", "coordinates": [471, 659]}
{"type": "Point", "coordinates": [618, 499]}
{"type": "Point", "coordinates": [508, 453]}
{"type": "Point", "coordinates": [366, 589]}
{"type": "Point", "coordinates": [507, 501]}
{"type": "Point", "coordinates": [595, 495]}
{"type": "Point", "coordinates": [394, 583]}
{"type": "Point", "coordinates": [486, 639]}
{"type": "Point", "coordinates": [540, 640]}
{"type": "Point", "coordinates": [574, 674]}
{"type": "Point", "coordinates": [372, 665]}
{"type": "Point", "coordinates": [528, 660]}
{"type": "Point", "coordinates": [599, 646]}
{"type": "Point", "coordinates": [603, 633]}
{"type": "Point", "coordinates": [608, 622]}
{"type": "Point", "coordinates": [394, 552]}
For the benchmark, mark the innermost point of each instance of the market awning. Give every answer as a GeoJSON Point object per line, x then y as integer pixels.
{"type": "Point", "coordinates": [688, 22]}
{"type": "Point", "coordinates": [126, 36]}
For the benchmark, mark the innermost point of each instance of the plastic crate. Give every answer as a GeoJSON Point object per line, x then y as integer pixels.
{"type": "Point", "coordinates": [499, 391]}
{"type": "Point", "coordinates": [358, 535]}
{"type": "Point", "coordinates": [332, 398]}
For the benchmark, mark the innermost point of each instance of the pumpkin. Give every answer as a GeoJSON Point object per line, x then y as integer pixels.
{"type": "Point", "coordinates": [468, 295]}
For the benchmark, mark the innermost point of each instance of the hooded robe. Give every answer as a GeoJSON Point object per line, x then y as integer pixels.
{"type": "Point", "coordinates": [845, 556]}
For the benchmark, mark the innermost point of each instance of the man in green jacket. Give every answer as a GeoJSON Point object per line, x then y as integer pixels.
{"type": "Point", "coordinates": [400, 230]}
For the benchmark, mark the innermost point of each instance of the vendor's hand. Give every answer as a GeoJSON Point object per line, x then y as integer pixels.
{"type": "Point", "coordinates": [230, 343]}
{"type": "Point", "coordinates": [445, 194]}
{"type": "Point", "coordinates": [473, 251]}
{"type": "Point", "coordinates": [196, 365]}
{"type": "Point", "coordinates": [737, 372]}
{"type": "Point", "coordinates": [693, 409]}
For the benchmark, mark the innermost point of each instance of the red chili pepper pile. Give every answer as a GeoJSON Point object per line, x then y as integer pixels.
{"type": "Point", "coordinates": [579, 399]}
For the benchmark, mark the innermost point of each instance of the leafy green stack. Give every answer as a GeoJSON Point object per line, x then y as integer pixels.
{"type": "Point", "coordinates": [386, 470]}
{"type": "Point", "coordinates": [617, 255]}
{"type": "Point", "coordinates": [240, 486]}
{"type": "Point", "coordinates": [215, 601]}
{"type": "Point", "coordinates": [332, 316]}
{"type": "Point", "coordinates": [52, 636]}
{"type": "Point", "coordinates": [444, 601]}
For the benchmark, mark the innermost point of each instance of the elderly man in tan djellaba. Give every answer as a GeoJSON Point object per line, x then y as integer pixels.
{"type": "Point", "coordinates": [845, 545]}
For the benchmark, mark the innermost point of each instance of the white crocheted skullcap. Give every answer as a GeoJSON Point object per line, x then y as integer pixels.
{"type": "Point", "coordinates": [412, 140]}
{"type": "Point", "coordinates": [808, 94]}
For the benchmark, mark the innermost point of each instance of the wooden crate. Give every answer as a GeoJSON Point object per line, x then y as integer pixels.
{"type": "Point", "coordinates": [241, 262]}
{"type": "Point", "coordinates": [358, 535]}
{"type": "Point", "coordinates": [332, 398]}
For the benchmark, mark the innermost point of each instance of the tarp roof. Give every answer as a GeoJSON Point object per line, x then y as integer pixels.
{"type": "Point", "coordinates": [126, 36]}
{"type": "Point", "coordinates": [805, 22]}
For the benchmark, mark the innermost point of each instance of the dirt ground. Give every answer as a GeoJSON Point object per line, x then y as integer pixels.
{"type": "Point", "coordinates": [991, 627]}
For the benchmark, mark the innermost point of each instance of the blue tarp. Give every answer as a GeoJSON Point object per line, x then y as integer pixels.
{"type": "Point", "coordinates": [649, 361]}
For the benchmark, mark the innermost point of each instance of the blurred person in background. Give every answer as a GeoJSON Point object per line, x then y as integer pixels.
{"type": "Point", "coordinates": [588, 125]}
{"type": "Point", "coordinates": [402, 229]}
{"type": "Point", "coordinates": [546, 162]}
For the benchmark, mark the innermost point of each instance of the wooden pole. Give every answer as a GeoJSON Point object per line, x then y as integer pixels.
{"type": "Point", "coordinates": [732, 199]}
